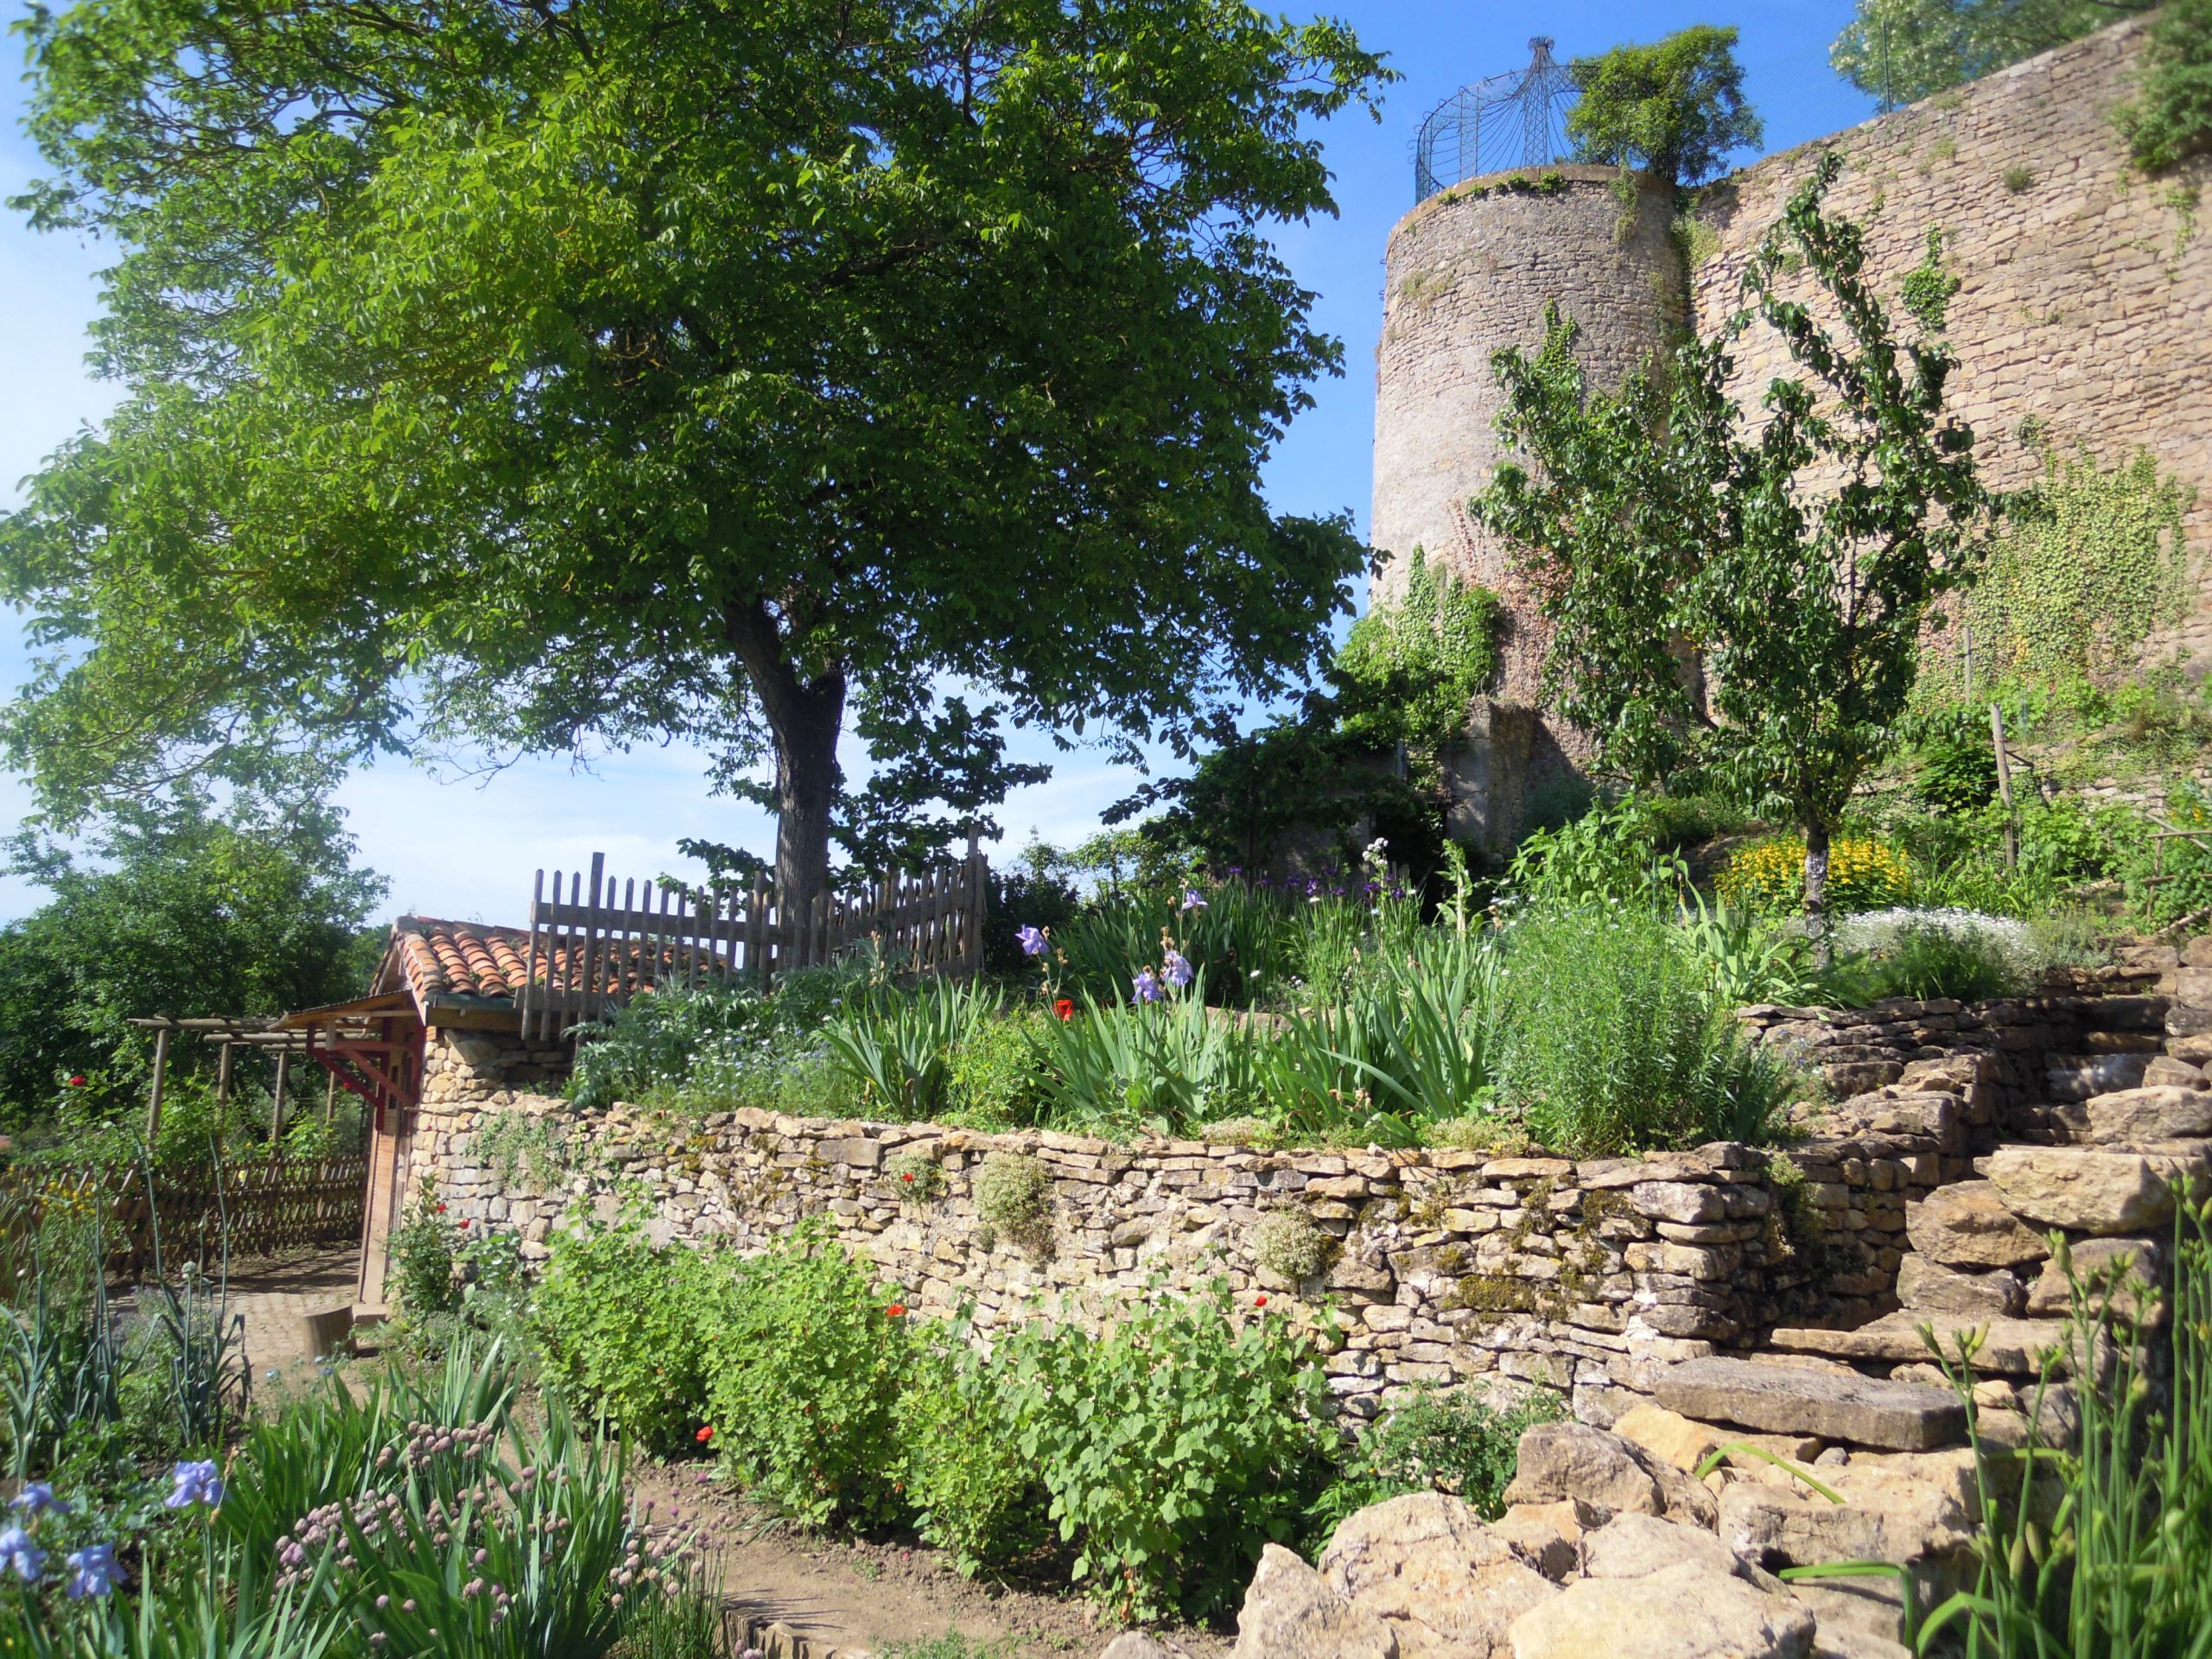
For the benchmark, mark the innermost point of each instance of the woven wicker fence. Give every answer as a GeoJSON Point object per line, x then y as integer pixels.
{"type": "Point", "coordinates": [192, 1214]}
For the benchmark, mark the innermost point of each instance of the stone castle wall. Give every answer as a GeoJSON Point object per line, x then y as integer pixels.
{"type": "Point", "coordinates": [2087, 296]}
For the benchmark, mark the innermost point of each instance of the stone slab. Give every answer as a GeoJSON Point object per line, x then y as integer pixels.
{"type": "Point", "coordinates": [2010, 1347]}
{"type": "Point", "coordinates": [1833, 1405]}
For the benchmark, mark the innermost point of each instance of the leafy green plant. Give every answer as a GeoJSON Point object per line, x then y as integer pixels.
{"type": "Point", "coordinates": [1014, 1200]}
{"type": "Point", "coordinates": [1174, 1443]}
{"type": "Point", "coordinates": [2100, 1547]}
{"type": "Point", "coordinates": [1924, 954]}
{"type": "Point", "coordinates": [1156, 1065]}
{"type": "Point", "coordinates": [1413, 665]}
{"type": "Point", "coordinates": [997, 1078]}
{"type": "Point", "coordinates": [805, 1358]}
{"type": "Point", "coordinates": [1610, 856]}
{"type": "Point", "coordinates": [898, 1046]}
{"type": "Point", "coordinates": [1641, 1055]}
{"type": "Point", "coordinates": [422, 1251]}
{"type": "Point", "coordinates": [1450, 1442]}
{"type": "Point", "coordinates": [975, 1493]}
{"type": "Point", "coordinates": [622, 1327]}
{"type": "Point", "coordinates": [2171, 119]}
{"type": "Point", "coordinates": [1675, 107]}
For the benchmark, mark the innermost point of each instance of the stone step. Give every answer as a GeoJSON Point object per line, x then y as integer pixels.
{"type": "Point", "coordinates": [2096, 1190]}
{"type": "Point", "coordinates": [1833, 1405]}
{"type": "Point", "coordinates": [2009, 1347]}
{"type": "Point", "coordinates": [2151, 1113]}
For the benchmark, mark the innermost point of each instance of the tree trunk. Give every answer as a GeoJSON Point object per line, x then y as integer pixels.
{"type": "Point", "coordinates": [805, 718]}
{"type": "Point", "coordinates": [1816, 892]}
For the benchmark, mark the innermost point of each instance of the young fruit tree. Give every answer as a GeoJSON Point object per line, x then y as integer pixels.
{"type": "Point", "coordinates": [1739, 596]}
{"type": "Point", "coordinates": [506, 377]}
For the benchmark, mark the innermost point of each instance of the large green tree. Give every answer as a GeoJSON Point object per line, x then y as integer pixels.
{"type": "Point", "coordinates": [549, 375]}
{"type": "Point", "coordinates": [1738, 594]}
{"type": "Point", "coordinates": [1900, 50]}
{"type": "Point", "coordinates": [176, 908]}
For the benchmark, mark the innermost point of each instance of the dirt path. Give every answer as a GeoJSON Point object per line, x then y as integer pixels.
{"type": "Point", "coordinates": [866, 1595]}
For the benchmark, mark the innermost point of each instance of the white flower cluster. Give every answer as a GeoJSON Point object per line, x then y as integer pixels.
{"type": "Point", "coordinates": [1876, 932]}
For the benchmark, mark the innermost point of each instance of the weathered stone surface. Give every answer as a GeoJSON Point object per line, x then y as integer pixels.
{"type": "Point", "coordinates": [1967, 1224]}
{"type": "Point", "coordinates": [1560, 1460]}
{"type": "Point", "coordinates": [1290, 1612]}
{"type": "Point", "coordinates": [1548, 1537]}
{"type": "Point", "coordinates": [1901, 1509]}
{"type": "Point", "coordinates": [1859, 1618]}
{"type": "Point", "coordinates": [1445, 1583]}
{"type": "Point", "coordinates": [1669, 1435]}
{"type": "Point", "coordinates": [1636, 1546]}
{"type": "Point", "coordinates": [1898, 1416]}
{"type": "Point", "coordinates": [2089, 1192]}
{"type": "Point", "coordinates": [1927, 1287]}
{"type": "Point", "coordinates": [1685, 1613]}
{"type": "Point", "coordinates": [1135, 1645]}
{"type": "Point", "coordinates": [2167, 1072]}
{"type": "Point", "coordinates": [2010, 1347]}
{"type": "Point", "coordinates": [2094, 1259]}
{"type": "Point", "coordinates": [2150, 1114]}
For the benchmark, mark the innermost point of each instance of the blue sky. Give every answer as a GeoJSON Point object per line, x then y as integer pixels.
{"type": "Point", "coordinates": [465, 849]}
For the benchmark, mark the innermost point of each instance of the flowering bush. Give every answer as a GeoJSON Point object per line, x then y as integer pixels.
{"type": "Point", "coordinates": [1769, 875]}
{"type": "Point", "coordinates": [1931, 953]}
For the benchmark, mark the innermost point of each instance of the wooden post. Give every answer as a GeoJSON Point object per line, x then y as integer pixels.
{"type": "Point", "coordinates": [1969, 654]}
{"type": "Point", "coordinates": [2005, 789]}
{"type": "Point", "coordinates": [161, 1072]}
{"type": "Point", "coordinates": [330, 1100]}
{"type": "Point", "coordinates": [276, 1116]}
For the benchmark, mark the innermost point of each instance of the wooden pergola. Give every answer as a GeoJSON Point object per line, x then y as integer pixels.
{"type": "Point", "coordinates": [355, 1043]}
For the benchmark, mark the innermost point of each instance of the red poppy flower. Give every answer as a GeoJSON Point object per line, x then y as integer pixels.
{"type": "Point", "coordinates": [441, 1208]}
{"type": "Point", "coordinates": [464, 1221]}
{"type": "Point", "coordinates": [896, 1311]}
{"type": "Point", "coordinates": [77, 1082]}
{"type": "Point", "coordinates": [706, 1433]}
{"type": "Point", "coordinates": [906, 1177]}
{"type": "Point", "coordinates": [1261, 1300]}
{"type": "Point", "coordinates": [1065, 1008]}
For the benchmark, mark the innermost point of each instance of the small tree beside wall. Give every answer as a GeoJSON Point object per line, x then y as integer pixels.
{"type": "Point", "coordinates": [1738, 596]}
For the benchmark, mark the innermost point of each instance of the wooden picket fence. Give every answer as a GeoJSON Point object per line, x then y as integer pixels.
{"type": "Point", "coordinates": [590, 950]}
{"type": "Point", "coordinates": [192, 1214]}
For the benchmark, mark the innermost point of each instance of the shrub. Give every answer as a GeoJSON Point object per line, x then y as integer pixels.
{"type": "Point", "coordinates": [805, 1356]}
{"type": "Point", "coordinates": [1614, 1043]}
{"type": "Point", "coordinates": [620, 1325]}
{"type": "Point", "coordinates": [2172, 120]}
{"type": "Point", "coordinates": [1675, 107]}
{"type": "Point", "coordinates": [1452, 1442]}
{"type": "Point", "coordinates": [422, 1252]}
{"type": "Point", "coordinates": [897, 1046]}
{"type": "Point", "coordinates": [1174, 1444]}
{"type": "Point", "coordinates": [974, 1491]}
{"type": "Point", "coordinates": [998, 1078]}
{"type": "Point", "coordinates": [1014, 1200]}
{"type": "Point", "coordinates": [1287, 1244]}
{"type": "Point", "coordinates": [1610, 854]}
{"type": "Point", "coordinates": [1931, 953]}
{"type": "Point", "coordinates": [1769, 875]}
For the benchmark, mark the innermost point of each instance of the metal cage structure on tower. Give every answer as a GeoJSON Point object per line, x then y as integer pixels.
{"type": "Point", "coordinates": [1510, 120]}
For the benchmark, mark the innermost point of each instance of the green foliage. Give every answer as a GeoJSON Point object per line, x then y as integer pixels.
{"type": "Point", "coordinates": [1014, 1200]}
{"type": "Point", "coordinates": [1437, 1442]}
{"type": "Point", "coordinates": [1900, 51]}
{"type": "Point", "coordinates": [2082, 568]}
{"type": "Point", "coordinates": [804, 1366]}
{"type": "Point", "coordinates": [952, 1645]}
{"type": "Point", "coordinates": [1174, 1444]}
{"type": "Point", "coordinates": [1926, 289]}
{"type": "Point", "coordinates": [897, 1047]}
{"type": "Point", "coordinates": [510, 420]}
{"type": "Point", "coordinates": [975, 1493]}
{"type": "Point", "coordinates": [1934, 953]}
{"type": "Point", "coordinates": [997, 1078]}
{"type": "Point", "coordinates": [511, 1143]}
{"type": "Point", "coordinates": [1287, 1244]}
{"type": "Point", "coordinates": [423, 1247]}
{"type": "Point", "coordinates": [621, 1327]}
{"type": "Point", "coordinates": [1803, 552]}
{"type": "Point", "coordinates": [1675, 108]}
{"type": "Point", "coordinates": [2171, 120]}
{"type": "Point", "coordinates": [1412, 666]}
{"type": "Point", "coordinates": [1640, 1055]}
{"type": "Point", "coordinates": [2098, 1546]}
{"type": "Point", "coordinates": [724, 1044]}
{"type": "Point", "coordinates": [1610, 856]}
{"type": "Point", "coordinates": [181, 910]}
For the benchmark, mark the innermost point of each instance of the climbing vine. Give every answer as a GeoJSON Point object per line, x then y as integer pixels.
{"type": "Point", "coordinates": [1410, 668]}
{"type": "Point", "coordinates": [2086, 566]}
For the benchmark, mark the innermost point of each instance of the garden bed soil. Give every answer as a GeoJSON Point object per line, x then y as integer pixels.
{"type": "Point", "coordinates": [866, 1594]}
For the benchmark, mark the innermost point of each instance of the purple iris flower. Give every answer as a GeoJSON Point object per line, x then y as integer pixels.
{"type": "Point", "coordinates": [21, 1556]}
{"type": "Point", "coordinates": [1193, 900]}
{"type": "Point", "coordinates": [1147, 987]}
{"type": "Point", "coordinates": [93, 1571]}
{"type": "Point", "coordinates": [1031, 939]}
{"type": "Point", "coordinates": [194, 1483]}
{"type": "Point", "coordinates": [1177, 971]}
{"type": "Point", "coordinates": [37, 1497]}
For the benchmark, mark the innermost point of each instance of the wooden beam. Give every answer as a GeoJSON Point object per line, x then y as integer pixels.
{"type": "Point", "coordinates": [161, 1072]}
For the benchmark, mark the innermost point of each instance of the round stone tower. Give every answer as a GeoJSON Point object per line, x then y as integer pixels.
{"type": "Point", "coordinates": [1467, 271]}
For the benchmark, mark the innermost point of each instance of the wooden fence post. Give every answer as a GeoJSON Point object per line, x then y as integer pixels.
{"type": "Point", "coordinates": [161, 1072]}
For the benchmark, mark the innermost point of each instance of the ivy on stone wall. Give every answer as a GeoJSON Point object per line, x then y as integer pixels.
{"type": "Point", "coordinates": [1411, 666]}
{"type": "Point", "coordinates": [2085, 568]}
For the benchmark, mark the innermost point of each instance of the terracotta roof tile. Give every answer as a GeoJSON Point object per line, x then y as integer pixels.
{"type": "Point", "coordinates": [444, 959]}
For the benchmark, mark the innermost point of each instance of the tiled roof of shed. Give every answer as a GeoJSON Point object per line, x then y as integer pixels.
{"type": "Point", "coordinates": [444, 961]}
